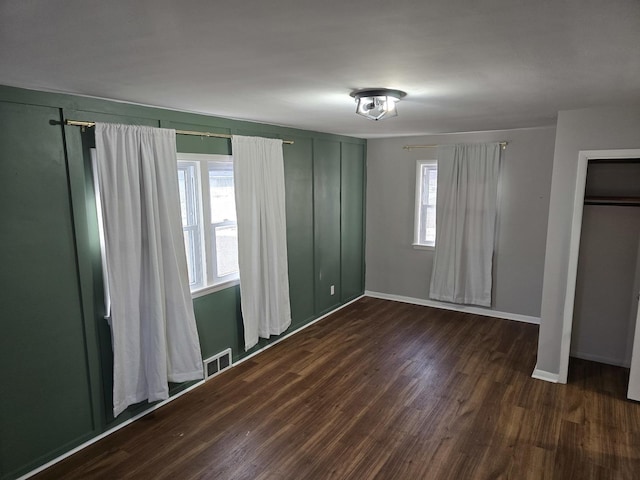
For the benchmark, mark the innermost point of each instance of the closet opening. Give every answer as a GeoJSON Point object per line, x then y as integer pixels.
{"type": "Point", "coordinates": [608, 276]}
{"type": "Point", "coordinates": [603, 281]}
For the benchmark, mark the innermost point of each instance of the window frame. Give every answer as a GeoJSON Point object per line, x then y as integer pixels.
{"type": "Point", "coordinates": [211, 283]}
{"type": "Point", "coordinates": [193, 187]}
{"type": "Point", "coordinates": [210, 227]}
{"type": "Point", "coordinates": [418, 205]}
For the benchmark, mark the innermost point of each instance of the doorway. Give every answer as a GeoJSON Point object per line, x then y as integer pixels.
{"type": "Point", "coordinates": [584, 159]}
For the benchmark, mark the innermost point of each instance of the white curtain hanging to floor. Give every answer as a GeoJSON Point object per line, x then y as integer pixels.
{"type": "Point", "coordinates": [155, 340]}
{"type": "Point", "coordinates": [258, 168]}
{"type": "Point", "coordinates": [465, 223]}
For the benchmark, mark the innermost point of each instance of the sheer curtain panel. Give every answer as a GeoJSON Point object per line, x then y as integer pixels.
{"type": "Point", "coordinates": [258, 169]}
{"type": "Point", "coordinates": [155, 340]}
{"type": "Point", "coordinates": [465, 223]}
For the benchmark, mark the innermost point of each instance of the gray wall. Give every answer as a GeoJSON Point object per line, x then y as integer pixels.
{"type": "Point", "coordinates": [395, 267]}
{"type": "Point", "coordinates": [586, 129]}
{"type": "Point", "coordinates": [604, 317]}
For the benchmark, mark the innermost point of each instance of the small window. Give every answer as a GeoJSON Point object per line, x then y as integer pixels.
{"type": "Point", "coordinates": [207, 204]}
{"type": "Point", "coordinates": [425, 214]}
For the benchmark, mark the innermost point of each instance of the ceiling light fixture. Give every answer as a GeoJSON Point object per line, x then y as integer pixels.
{"type": "Point", "coordinates": [377, 103]}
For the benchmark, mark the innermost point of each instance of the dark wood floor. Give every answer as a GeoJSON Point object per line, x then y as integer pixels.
{"type": "Point", "coordinates": [384, 390]}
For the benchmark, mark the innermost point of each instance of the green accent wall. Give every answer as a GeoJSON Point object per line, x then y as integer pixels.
{"type": "Point", "coordinates": [46, 401]}
{"type": "Point", "coordinates": [352, 190]}
{"type": "Point", "coordinates": [55, 349]}
{"type": "Point", "coordinates": [217, 317]}
{"type": "Point", "coordinates": [298, 172]}
{"type": "Point", "coordinates": [326, 195]}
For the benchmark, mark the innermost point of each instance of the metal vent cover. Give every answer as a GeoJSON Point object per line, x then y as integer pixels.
{"type": "Point", "coordinates": [217, 363]}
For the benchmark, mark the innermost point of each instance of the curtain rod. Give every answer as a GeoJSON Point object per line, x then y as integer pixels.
{"type": "Point", "coordinates": [410, 147]}
{"type": "Point", "coordinates": [79, 123]}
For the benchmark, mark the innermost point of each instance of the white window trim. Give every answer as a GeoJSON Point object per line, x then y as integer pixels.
{"type": "Point", "coordinates": [200, 273]}
{"type": "Point", "coordinates": [205, 213]}
{"type": "Point", "coordinates": [418, 197]}
{"type": "Point", "coordinates": [419, 246]}
{"type": "Point", "coordinates": [201, 292]}
{"type": "Point", "coordinates": [101, 236]}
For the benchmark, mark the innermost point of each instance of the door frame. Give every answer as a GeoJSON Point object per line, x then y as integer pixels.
{"type": "Point", "coordinates": [584, 156]}
{"type": "Point", "coordinates": [633, 390]}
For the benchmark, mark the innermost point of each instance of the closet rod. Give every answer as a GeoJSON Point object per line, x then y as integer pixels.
{"type": "Point", "coordinates": [613, 201]}
{"type": "Point", "coordinates": [503, 144]}
{"type": "Point", "coordinates": [79, 123]}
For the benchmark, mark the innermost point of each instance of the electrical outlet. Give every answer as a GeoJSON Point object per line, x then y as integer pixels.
{"type": "Point", "coordinates": [333, 289]}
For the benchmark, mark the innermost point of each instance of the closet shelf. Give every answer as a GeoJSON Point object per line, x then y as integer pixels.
{"type": "Point", "coordinates": [613, 201]}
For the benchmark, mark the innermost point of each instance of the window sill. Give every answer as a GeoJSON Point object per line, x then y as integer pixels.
{"type": "Point", "coordinates": [419, 246]}
{"type": "Point", "coordinates": [201, 292]}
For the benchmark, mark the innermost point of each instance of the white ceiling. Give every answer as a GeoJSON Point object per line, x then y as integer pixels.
{"type": "Point", "coordinates": [466, 65]}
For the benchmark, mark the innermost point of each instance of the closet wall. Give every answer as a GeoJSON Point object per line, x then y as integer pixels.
{"type": "Point", "coordinates": [608, 265]}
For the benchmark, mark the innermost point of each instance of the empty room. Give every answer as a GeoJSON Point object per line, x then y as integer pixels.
{"type": "Point", "coordinates": [320, 240]}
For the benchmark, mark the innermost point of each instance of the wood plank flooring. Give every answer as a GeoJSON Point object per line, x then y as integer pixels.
{"type": "Point", "coordinates": [384, 390]}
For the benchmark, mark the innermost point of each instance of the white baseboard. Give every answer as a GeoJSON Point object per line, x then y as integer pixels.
{"type": "Point", "coordinates": [170, 399]}
{"type": "Point", "coordinates": [108, 432]}
{"type": "Point", "coordinates": [601, 359]}
{"type": "Point", "coordinates": [487, 312]}
{"type": "Point", "coordinates": [269, 345]}
{"type": "Point", "coordinates": [546, 376]}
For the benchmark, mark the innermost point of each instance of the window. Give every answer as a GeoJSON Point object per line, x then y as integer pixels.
{"type": "Point", "coordinates": [207, 204]}
{"type": "Point", "coordinates": [188, 185]}
{"type": "Point", "coordinates": [425, 215]}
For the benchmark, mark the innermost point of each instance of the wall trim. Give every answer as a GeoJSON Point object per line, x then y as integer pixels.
{"type": "Point", "coordinates": [457, 308]}
{"type": "Point", "coordinates": [602, 359]}
{"type": "Point", "coordinates": [269, 345]}
{"type": "Point", "coordinates": [537, 373]}
{"type": "Point", "coordinates": [108, 432]}
{"type": "Point", "coordinates": [170, 399]}
{"type": "Point", "coordinates": [546, 376]}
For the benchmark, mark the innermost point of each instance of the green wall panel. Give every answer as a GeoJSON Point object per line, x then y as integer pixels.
{"type": "Point", "coordinates": [298, 171]}
{"type": "Point", "coordinates": [55, 351]}
{"type": "Point", "coordinates": [352, 220]}
{"type": "Point", "coordinates": [45, 404]}
{"type": "Point", "coordinates": [326, 196]}
{"type": "Point", "coordinates": [219, 322]}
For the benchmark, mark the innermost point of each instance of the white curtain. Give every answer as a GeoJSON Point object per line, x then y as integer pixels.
{"type": "Point", "coordinates": [465, 223]}
{"type": "Point", "coordinates": [258, 170]}
{"type": "Point", "coordinates": [155, 340]}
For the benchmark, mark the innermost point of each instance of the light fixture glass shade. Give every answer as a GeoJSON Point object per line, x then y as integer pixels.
{"type": "Point", "coordinates": [376, 104]}
{"type": "Point", "coordinates": [376, 108]}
